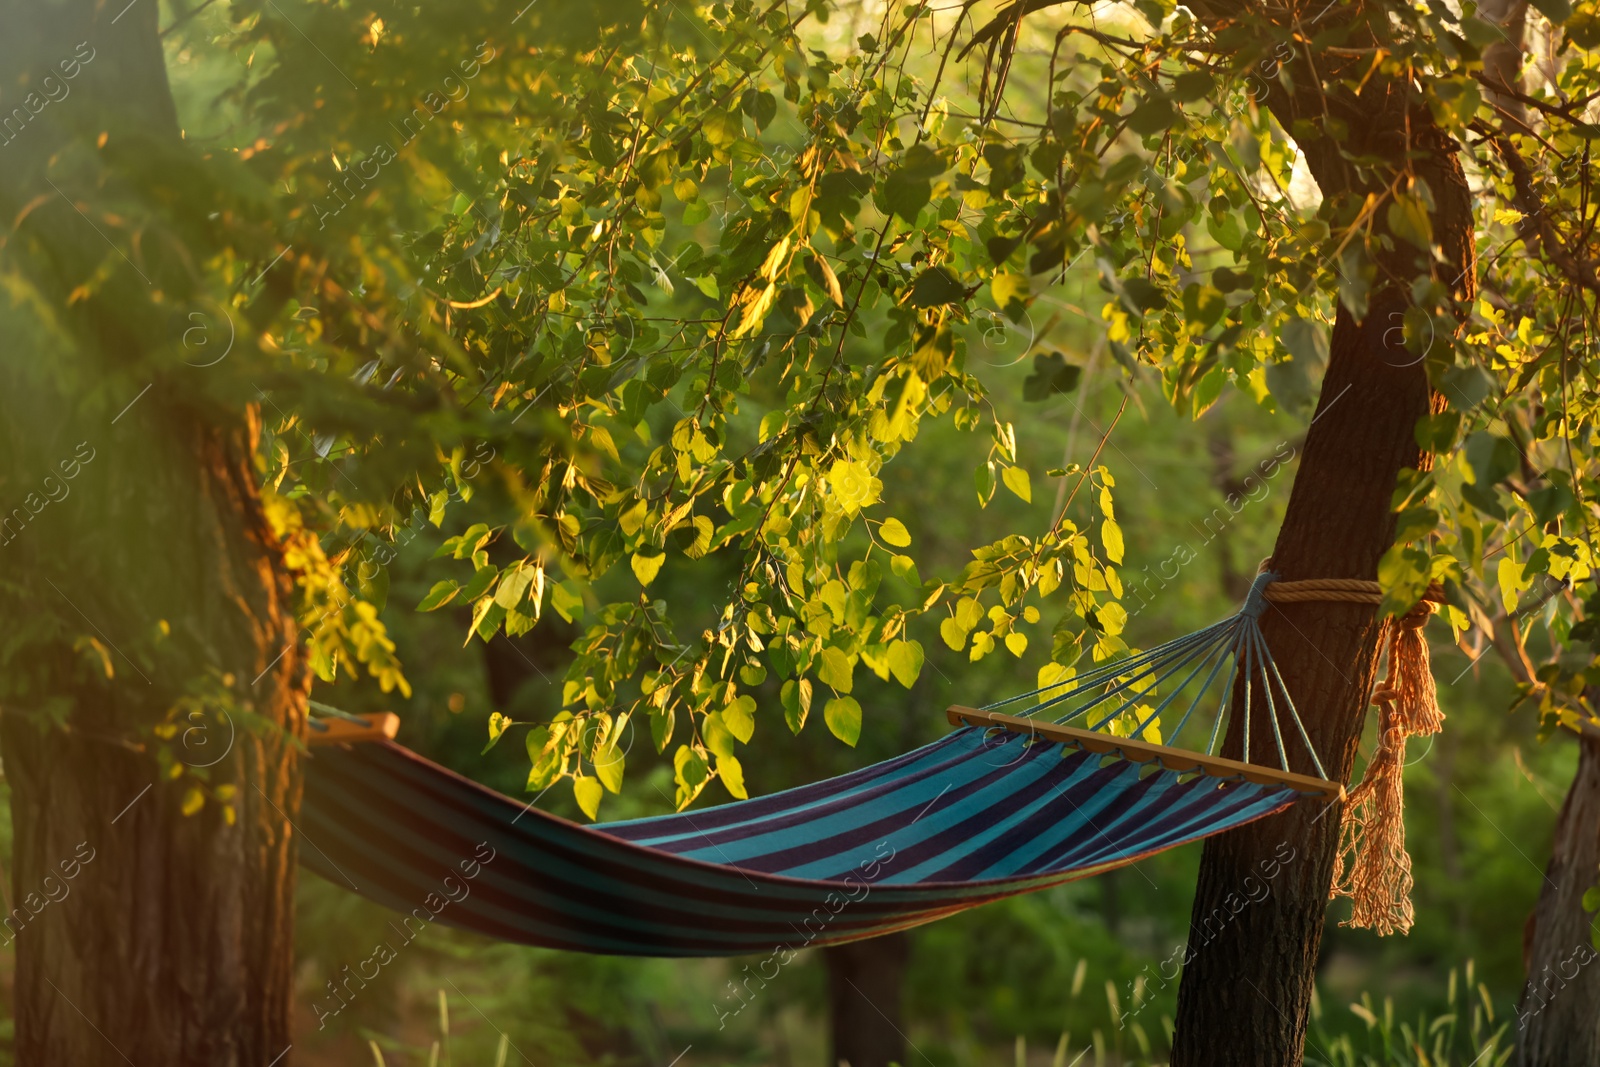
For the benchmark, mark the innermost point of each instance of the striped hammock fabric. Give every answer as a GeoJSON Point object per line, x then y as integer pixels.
{"type": "Point", "coordinates": [1004, 805]}
{"type": "Point", "coordinates": [979, 815]}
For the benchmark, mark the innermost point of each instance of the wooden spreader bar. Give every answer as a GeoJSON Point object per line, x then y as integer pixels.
{"type": "Point", "coordinates": [1173, 759]}
{"type": "Point", "coordinates": [379, 726]}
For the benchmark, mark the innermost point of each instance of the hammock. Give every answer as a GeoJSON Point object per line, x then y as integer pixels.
{"type": "Point", "coordinates": [1006, 804]}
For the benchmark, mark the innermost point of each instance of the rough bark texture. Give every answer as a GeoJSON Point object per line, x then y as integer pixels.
{"type": "Point", "coordinates": [142, 934]}
{"type": "Point", "coordinates": [167, 938]}
{"type": "Point", "coordinates": [1556, 1019]}
{"type": "Point", "coordinates": [865, 1001]}
{"type": "Point", "coordinates": [1245, 996]}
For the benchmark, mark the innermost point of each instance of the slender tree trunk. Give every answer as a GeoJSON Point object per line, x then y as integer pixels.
{"type": "Point", "coordinates": [1557, 1023]}
{"type": "Point", "coordinates": [159, 664]}
{"type": "Point", "coordinates": [1245, 998]}
{"type": "Point", "coordinates": [866, 980]}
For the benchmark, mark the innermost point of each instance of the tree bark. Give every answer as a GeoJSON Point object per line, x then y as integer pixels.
{"type": "Point", "coordinates": [1557, 1025]}
{"type": "Point", "coordinates": [152, 656]}
{"type": "Point", "coordinates": [866, 981]}
{"type": "Point", "coordinates": [1245, 996]}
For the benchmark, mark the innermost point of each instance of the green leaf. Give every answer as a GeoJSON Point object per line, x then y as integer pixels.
{"type": "Point", "coordinates": [1306, 341]}
{"type": "Point", "coordinates": [936, 286]}
{"type": "Point", "coordinates": [1111, 538]}
{"type": "Point", "coordinates": [609, 764]}
{"type": "Point", "coordinates": [514, 583]}
{"type": "Point", "coordinates": [796, 697]}
{"type": "Point", "coordinates": [1005, 166]}
{"type": "Point", "coordinates": [547, 759]}
{"type": "Point", "coordinates": [1226, 230]}
{"type": "Point", "coordinates": [631, 520]}
{"type": "Point", "coordinates": [497, 728]}
{"type": "Point", "coordinates": [662, 722]}
{"type": "Point", "coordinates": [1403, 573]}
{"type": "Point", "coordinates": [1408, 219]}
{"type": "Point", "coordinates": [440, 595]}
{"type": "Point", "coordinates": [472, 540]}
{"type": "Point", "coordinates": [763, 107]}
{"type": "Point", "coordinates": [739, 717]}
{"type": "Point", "coordinates": [486, 619]}
{"type": "Point", "coordinates": [843, 716]}
{"type": "Point", "coordinates": [1195, 85]}
{"type": "Point", "coordinates": [1141, 296]}
{"type": "Point", "coordinates": [954, 634]}
{"type": "Point", "coordinates": [1583, 29]}
{"type": "Point", "coordinates": [731, 773]}
{"type": "Point", "coordinates": [722, 129]}
{"type": "Point", "coordinates": [1052, 374]}
{"type": "Point", "coordinates": [1289, 383]}
{"type": "Point", "coordinates": [905, 567]}
{"type": "Point", "coordinates": [1509, 576]}
{"type": "Point", "coordinates": [718, 738]}
{"type": "Point", "coordinates": [1204, 306]}
{"type": "Point", "coordinates": [1051, 674]}
{"type": "Point", "coordinates": [1152, 116]}
{"type": "Point", "coordinates": [894, 532]}
{"type": "Point", "coordinates": [567, 601]}
{"type": "Point", "coordinates": [691, 772]}
{"type": "Point", "coordinates": [538, 738]}
{"type": "Point", "coordinates": [983, 481]}
{"type": "Point", "coordinates": [482, 579]}
{"type": "Point", "coordinates": [910, 186]}
{"type": "Point", "coordinates": [645, 568]}
{"type": "Point", "coordinates": [836, 670]}
{"type": "Point", "coordinates": [1415, 524]}
{"type": "Point", "coordinates": [1490, 458]}
{"type": "Point", "coordinates": [1016, 643]}
{"type": "Point", "coordinates": [1010, 292]}
{"type": "Point", "coordinates": [1557, 11]}
{"type": "Point", "coordinates": [1550, 503]}
{"type": "Point", "coordinates": [1467, 387]}
{"type": "Point", "coordinates": [905, 661]}
{"type": "Point", "coordinates": [588, 793]}
{"type": "Point", "coordinates": [1017, 481]}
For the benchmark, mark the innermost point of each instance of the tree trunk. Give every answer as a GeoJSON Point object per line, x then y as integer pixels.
{"type": "Point", "coordinates": [866, 980]}
{"type": "Point", "coordinates": [151, 660]}
{"type": "Point", "coordinates": [1557, 1023]}
{"type": "Point", "coordinates": [1245, 997]}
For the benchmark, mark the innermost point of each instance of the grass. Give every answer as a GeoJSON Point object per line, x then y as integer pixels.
{"type": "Point", "coordinates": [1466, 1034]}
{"type": "Point", "coordinates": [1364, 1034]}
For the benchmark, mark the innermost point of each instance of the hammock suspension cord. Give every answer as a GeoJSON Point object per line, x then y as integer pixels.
{"type": "Point", "coordinates": [1372, 866]}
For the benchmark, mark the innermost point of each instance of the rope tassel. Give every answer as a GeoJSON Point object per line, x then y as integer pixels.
{"type": "Point", "coordinates": [1372, 867]}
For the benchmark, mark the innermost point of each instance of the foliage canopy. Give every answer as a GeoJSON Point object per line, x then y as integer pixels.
{"type": "Point", "coordinates": [601, 288]}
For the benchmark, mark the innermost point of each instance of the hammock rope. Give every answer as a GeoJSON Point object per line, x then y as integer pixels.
{"type": "Point", "coordinates": [1236, 641]}
{"type": "Point", "coordinates": [1372, 866]}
